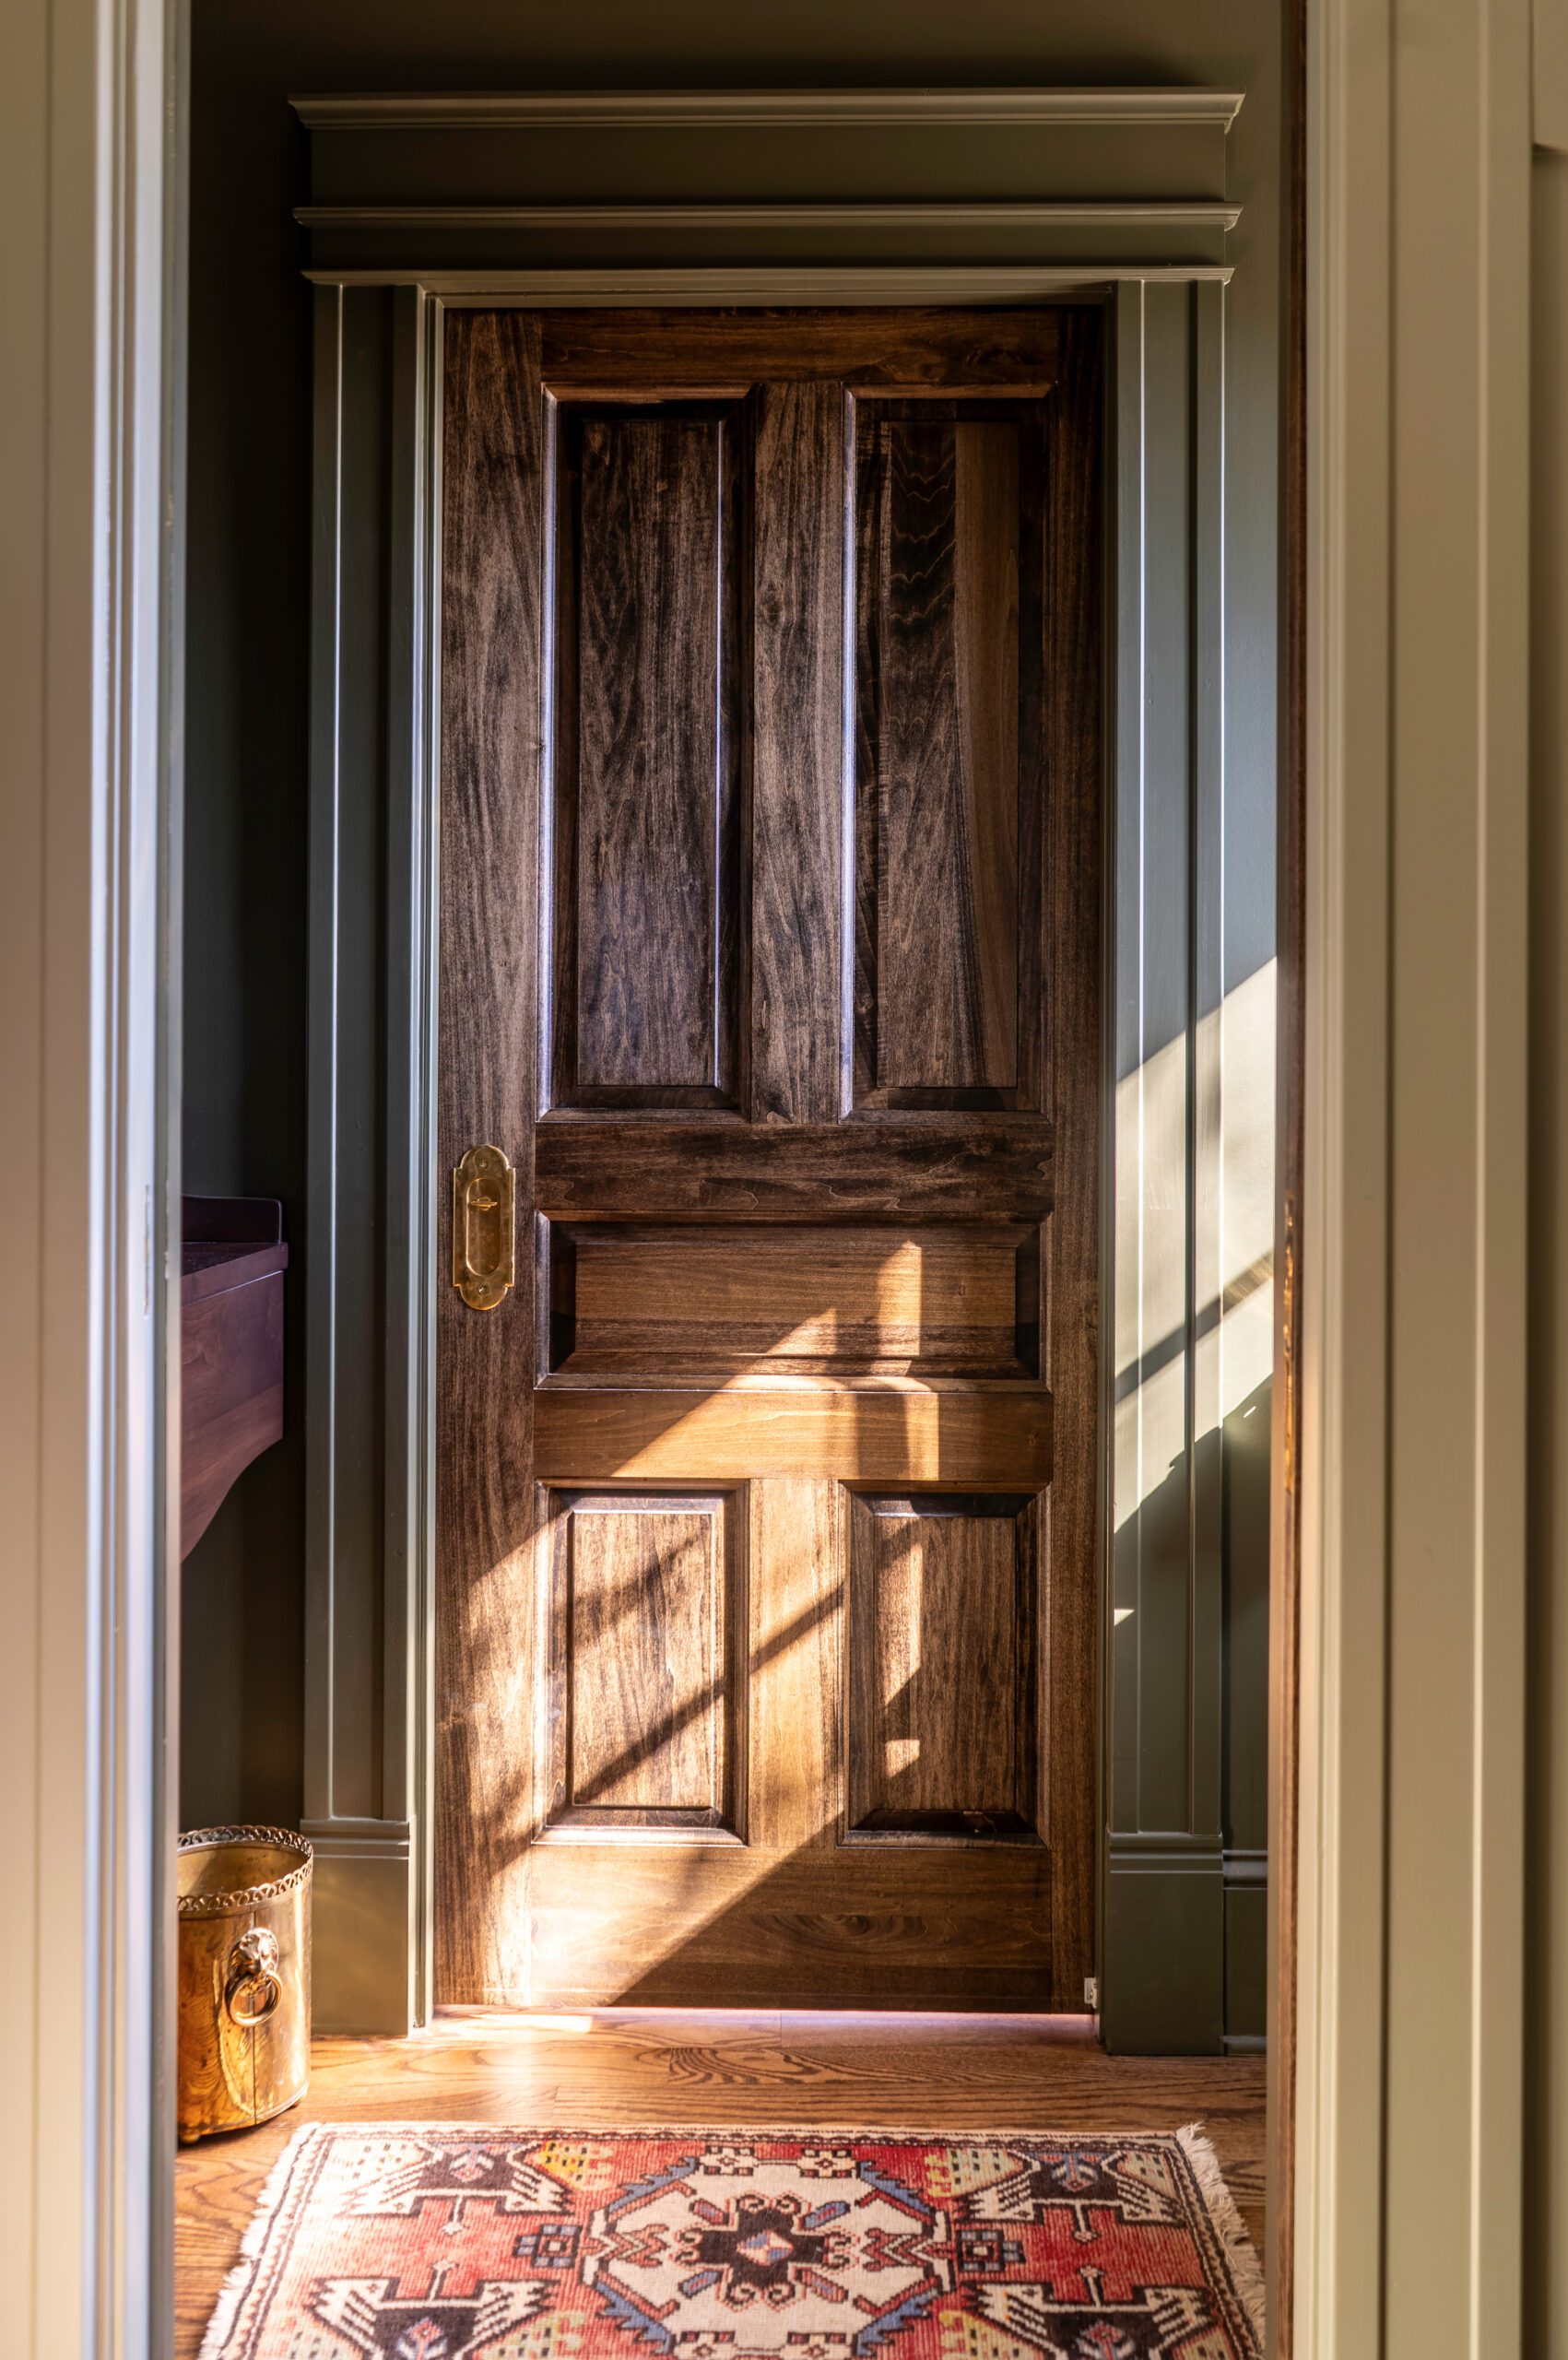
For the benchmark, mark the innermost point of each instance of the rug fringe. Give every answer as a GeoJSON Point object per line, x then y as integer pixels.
{"type": "Point", "coordinates": [236, 2283]}
{"type": "Point", "coordinates": [1246, 2270]}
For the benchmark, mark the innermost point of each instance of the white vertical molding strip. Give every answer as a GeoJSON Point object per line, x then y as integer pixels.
{"type": "Point", "coordinates": [1412, 1887]}
{"type": "Point", "coordinates": [85, 1080]}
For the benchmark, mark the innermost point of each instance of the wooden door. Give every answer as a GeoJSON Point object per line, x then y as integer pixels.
{"type": "Point", "coordinates": [770, 892]}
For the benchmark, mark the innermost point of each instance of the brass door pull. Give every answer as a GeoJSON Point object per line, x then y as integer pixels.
{"type": "Point", "coordinates": [484, 1254]}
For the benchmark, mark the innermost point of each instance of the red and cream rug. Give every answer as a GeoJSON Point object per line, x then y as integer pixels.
{"type": "Point", "coordinates": [462, 2242]}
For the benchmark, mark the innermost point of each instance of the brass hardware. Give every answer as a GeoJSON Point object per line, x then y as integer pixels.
{"type": "Point", "coordinates": [484, 1253]}
{"type": "Point", "coordinates": [253, 1968]}
{"type": "Point", "coordinates": [244, 1977]}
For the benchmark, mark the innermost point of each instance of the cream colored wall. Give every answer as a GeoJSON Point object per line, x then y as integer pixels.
{"type": "Point", "coordinates": [1412, 2076]}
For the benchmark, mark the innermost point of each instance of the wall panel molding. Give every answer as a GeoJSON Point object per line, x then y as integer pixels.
{"type": "Point", "coordinates": [1163, 1985]}
{"type": "Point", "coordinates": [370, 1339]}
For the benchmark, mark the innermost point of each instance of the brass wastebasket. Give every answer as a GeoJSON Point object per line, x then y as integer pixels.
{"type": "Point", "coordinates": [245, 2038]}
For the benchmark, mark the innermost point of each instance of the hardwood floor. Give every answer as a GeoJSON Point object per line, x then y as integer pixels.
{"type": "Point", "coordinates": [623, 2066]}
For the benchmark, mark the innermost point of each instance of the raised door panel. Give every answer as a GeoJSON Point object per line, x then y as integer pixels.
{"type": "Point", "coordinates": [643, 1610]}
{"type": "Point", "coordinates": [797, 754]}
{"type": "Point", "coordinates": [942, 1618]}
{"type": "Point", "coordinates": [647, 727]}
{"type": "Point", "coordinates": [872, 1298]}
{"type": "Point", "coordinates": [948, 776]}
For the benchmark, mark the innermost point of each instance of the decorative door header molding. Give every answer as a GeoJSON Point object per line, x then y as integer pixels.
{"type": "Point", "coordinates": [706, 110]}
{"type": "Point", "coordinates": [1093, 185]}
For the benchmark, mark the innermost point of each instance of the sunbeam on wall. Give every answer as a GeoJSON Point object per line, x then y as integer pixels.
{"type": "Point", "coordinates": [1194, 1224]}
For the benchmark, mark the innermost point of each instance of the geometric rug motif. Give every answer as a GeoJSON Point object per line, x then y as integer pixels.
{"type": "Point", "coordinates": [440, 2241]}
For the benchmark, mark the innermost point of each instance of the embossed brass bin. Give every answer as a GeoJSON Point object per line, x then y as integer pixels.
{"type": "Point", "coordinates": [245, 2002]}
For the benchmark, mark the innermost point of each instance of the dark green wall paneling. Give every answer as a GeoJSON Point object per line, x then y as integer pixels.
{"type": "Point", "coordinates": [1188, 1907]}
{"type": "Point", "coordinates": [246, 806]}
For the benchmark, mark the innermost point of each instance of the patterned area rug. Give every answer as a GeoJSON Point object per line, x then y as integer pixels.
{"type": "Point", "coordinates": [466, 2242]}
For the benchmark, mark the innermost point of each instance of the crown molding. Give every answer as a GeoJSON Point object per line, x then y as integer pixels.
{"type": "Point", "coordinates": [770, 286]}
{"type": "Point", "coordinates": [693, 110]}
{"type": "Point", "coordinates": [1140, 214]}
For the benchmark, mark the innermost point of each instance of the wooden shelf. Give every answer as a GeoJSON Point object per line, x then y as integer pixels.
{"type": "Point", "coordinates": [231, 1263]}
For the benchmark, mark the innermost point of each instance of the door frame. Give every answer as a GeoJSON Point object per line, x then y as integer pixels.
{"type": "Point", "coordinates": [115, 93]}
{"type": "Point", "coordinates": [93, 173]}
{"type": "Point", "coordinates": [370, 1753]}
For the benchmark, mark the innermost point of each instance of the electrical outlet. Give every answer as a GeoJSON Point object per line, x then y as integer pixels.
{"type": "Point", "coordinates": [1092, 1992]}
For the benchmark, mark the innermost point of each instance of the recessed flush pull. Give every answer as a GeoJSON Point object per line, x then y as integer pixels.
{"type": "Point", "coordinates": [484, 1259]}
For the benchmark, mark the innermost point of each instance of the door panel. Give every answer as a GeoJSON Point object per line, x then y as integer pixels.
{"type": "Point", "coordinates": [769, 876]}
{"type": "Point", "coordinates": [878, 1299]}
{"type": "Point", "coordinates": [949, 666]}
{"type": "Point", "coordinates": [645, 1614]}
{"type": "Point", "coordinates": [942, 1616]}
{"type": "Point", "coordinates": [646, 832]}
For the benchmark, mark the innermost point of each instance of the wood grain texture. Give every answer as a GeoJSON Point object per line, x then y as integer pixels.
{"type": "Point", "coordinates": [1073, 1051]}
{"type": "Point", "coordinates": [674, 352]}
{"type": "Point", "coordinates": [779, 1303]}
{"type": "Point", "coordinates": [640, 1662]}
{"type": "Point", "coordinates": [949, 783]}
{"type": "Point", "coordinates": [647, 763]}
{"type": "Point", "coordinates": [630, 2067]}
{"type": "Point", "coordinates": [231, 1388]}
{"type": "Point", "coordinates": [871, 1299]}
{"type": "Point", "coordinates": [943, 593]}
{"type": "Point", "coordinates": [942, 1666]}
{"type": "Point", "coordinates": [927, 1170]}
{"type": "Point", "coordinates": [797, 752]}
{"type": "Point", "coordinates": [797, 1622]}
{"type": "Point", "coordinates": [891, 1436]}
{"type": "Point", "coordinates": [491, 760]}
{"type": "Point", "coordinates": [875, 1925]}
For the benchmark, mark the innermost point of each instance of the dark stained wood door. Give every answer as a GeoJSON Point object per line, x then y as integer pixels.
{"type": "Point", "coordinates": [770, 952]}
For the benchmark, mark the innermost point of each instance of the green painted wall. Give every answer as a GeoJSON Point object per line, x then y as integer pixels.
{"type": "Point", "coordinates": [246, 1011]}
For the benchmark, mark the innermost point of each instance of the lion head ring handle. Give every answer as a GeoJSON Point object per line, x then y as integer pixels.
{"type": "Point", "coordinates": [252, 1986]}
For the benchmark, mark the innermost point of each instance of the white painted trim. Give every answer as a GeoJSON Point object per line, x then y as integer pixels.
{"type": "Point", "coordinates": [692, 109]}
{"type": "Point", "coordinates": [89, 486]}
{"type": "Point", "coordinates": [1413, 1212]}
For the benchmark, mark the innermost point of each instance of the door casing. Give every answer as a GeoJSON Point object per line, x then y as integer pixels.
{"type": "Point", "coordinates": [367, 1770]}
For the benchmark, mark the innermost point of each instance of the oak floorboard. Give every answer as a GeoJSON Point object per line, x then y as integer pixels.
{"type": "Point", "coordinates": [628, 2067]}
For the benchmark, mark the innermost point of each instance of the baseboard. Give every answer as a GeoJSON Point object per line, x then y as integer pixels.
{"type": "Point", "coordinates": [361, 1945]}
{"type": "Point", "coordinates": [1163, 1987]}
